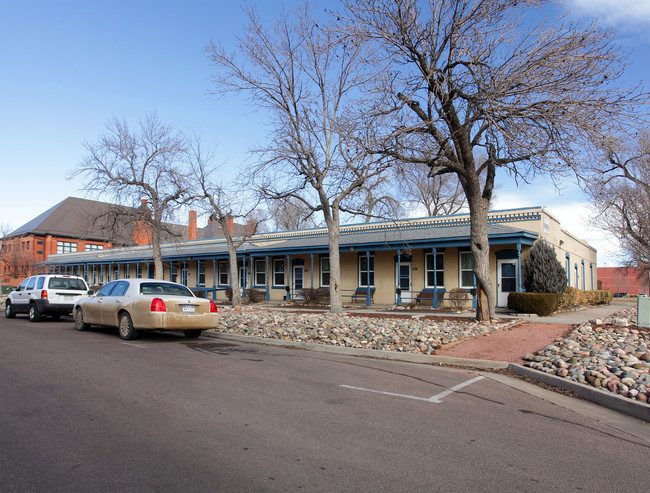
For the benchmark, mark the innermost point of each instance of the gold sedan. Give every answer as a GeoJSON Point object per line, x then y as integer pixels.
{"type": "Point", "coordinates": [133, 305]}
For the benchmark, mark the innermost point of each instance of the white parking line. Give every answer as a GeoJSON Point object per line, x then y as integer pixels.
{"type": "Point", "coordinates": [136, 345]}
{"type": "Point", "coordinates": [436, 399]}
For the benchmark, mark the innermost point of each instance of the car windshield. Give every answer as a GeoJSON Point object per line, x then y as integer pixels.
{"type": "Point", "coordinates": [66, 284]}
{"type": "Point", "coordinates": [158, 288]}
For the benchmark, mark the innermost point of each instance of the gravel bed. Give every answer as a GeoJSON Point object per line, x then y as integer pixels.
{"type": "Point", "coordinates": [411, 334]}
{"type": "Point", "coordinates": [612, 355]}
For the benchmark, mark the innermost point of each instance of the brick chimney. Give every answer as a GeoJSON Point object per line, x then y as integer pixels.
{"type": "Point", "coordinates": [251, 226]}
{"type": "Point", "coordinates": [231, 225]}
{"type": "Point", "coordinates": [191, 232]}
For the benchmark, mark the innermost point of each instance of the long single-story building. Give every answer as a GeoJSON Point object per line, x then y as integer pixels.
{"type": "Point", "coordinates": [392, 262]}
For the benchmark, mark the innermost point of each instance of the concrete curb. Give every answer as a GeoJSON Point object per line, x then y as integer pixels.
{"type": "Point", "coordinates": [368, 353]}
{"type": "Point", "coordinates": [601, 397]}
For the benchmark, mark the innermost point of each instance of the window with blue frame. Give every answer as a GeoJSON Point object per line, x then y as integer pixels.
{"type": "Point", "coordinates": [366, 271]}
{"type": "Point", "coordinates": [435, 278]}
{"type": "Point", "coordinates": [201, 275]}
{"type": "Point", "coordinates": [466, 266]}
{"type": "Point", "coordinates": [259, 267]}
{"type": "Point", "coordinates": [278, 272]}
{"type": "Point", "coordinates": [325, 271]}
{"type": "Point", "coordinates": [223, 273]}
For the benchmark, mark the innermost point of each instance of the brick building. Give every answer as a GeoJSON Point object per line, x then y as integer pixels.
{"type": "Point", "coordinates": [623, 280]}
{"type": "Point", "coordinates": [81, 225]}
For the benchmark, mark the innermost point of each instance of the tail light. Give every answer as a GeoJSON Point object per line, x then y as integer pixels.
{"type": "Point", "coordinates": [213, 307]}
{"type": "Point", "coordinates": [44, 294]}
{"type": "Point", "coordinates": [158, 305]}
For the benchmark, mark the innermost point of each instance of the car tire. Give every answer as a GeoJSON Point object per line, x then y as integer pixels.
{"type": "Point", "coordinates": [125, 328]}
{"type": "Point", "coordinates": [79, 323]}
{"type": "Point", "coordinates": [34, 314]}
{"type": "Point", "coordinates": [192, 334]}
{"type": "Point", "coordinates": [9, 310]}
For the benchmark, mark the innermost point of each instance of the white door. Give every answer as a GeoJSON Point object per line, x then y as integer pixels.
{"type": "Point", "coordinates": [403, 274]}
{"type": "Point", "coordinates": [506, 280]}
{"type": "Point", "coordinates": [298, 282]}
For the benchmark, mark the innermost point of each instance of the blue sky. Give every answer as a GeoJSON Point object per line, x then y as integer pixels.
{"type": "Point", "coordinates": [70, 66]}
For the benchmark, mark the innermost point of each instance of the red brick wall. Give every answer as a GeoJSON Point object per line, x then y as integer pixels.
{"type": "Point", "coordinates": [623, 280]}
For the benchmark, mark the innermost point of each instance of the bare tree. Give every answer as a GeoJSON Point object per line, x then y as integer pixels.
{"type": "Point", "coordinates": [620, 190]}
{"type": "Point", "coordinates": [376, 200]}
{"type": "Point", "coordinates": [473, 76]}
{"type": "Point", "coordinates": [225, 203]}
{"type": "Point", "coordinates": [438, 194]}
{"type": "Point", "coordinates": [308, 78]}
{"type": "Point", "coordinates": [291, 214]}
{"type": "Point", "coordinates": [146, 167]}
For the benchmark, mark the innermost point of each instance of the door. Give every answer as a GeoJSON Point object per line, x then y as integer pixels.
{"type": "Point", "coordinates": [298, 282]}
{"type": "Point", "coordinates": [403, 270]}
{"type": "Point", "coordinates": [506, 280]}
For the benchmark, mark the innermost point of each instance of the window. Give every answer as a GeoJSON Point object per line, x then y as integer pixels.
{"type": "Point", "coordinates": [260, 272]}
{"type": "Point", "coordinates": [325, 271]}
{"type": "Point", "coordinates": [40, 282]}
{"type": "Point", "coordinates": [173, 276]}
{"type": "Point", "coordinates": [366, 271]}
{"type": "Point", "coordinates": [435, 278]}
{"type": "Point", "coordinates": [30, 284]}
{"type": "Point", "coordinates": [278, 272]}
{"type": "Point", "coordinates": [223, 273]}
{"type": "Point", "coordinates": [120, 288]}
{"type": "Point", "coordinates": [66, 247]}
{"type": "Point", "coordinates": [568, 270]}
{"type": "Point", "coordinates": [201, 280]}
{"type": "Point", "coordinates": [466, 270]}
{"type": "Point", "coordinates": [91, 247]}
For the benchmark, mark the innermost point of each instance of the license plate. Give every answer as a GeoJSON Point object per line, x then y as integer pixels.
{"type": "Point", "coordinates": [188, 309]}
{"type": "Point", "coordinates": [69, 297]}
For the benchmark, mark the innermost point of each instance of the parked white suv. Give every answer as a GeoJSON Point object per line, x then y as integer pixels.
{"type": "Point", "coordinates": [50, 294]}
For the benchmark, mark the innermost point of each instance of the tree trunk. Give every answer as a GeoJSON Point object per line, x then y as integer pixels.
{"type": "Point", "coordinates": [336, 300]}
{"type": "Point", "coordinates": [478, 212]}
{"type": "Point", "coordinates": [234, 275]}
{"type": "Point", "coordinates": [157, 255]}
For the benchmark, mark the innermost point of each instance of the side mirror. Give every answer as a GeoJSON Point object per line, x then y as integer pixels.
{"type": "Point", "coordinates": [91, 292]}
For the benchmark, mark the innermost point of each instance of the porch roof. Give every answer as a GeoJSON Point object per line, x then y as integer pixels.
{"type": "Point", "coordinates": [387, 236]}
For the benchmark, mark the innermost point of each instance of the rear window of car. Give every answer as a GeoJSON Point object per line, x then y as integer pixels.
{"type": "Point", "coordinates": [66, 284]}
{"type": "Point", "coordinates": [158, 288]}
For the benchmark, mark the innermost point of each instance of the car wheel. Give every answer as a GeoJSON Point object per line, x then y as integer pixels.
{"type": "Point", "coordinates": [34, 314]}
{"type": "Point", "coordinates": [192, 334]}
{"type": "Point", "coordinates": [9, 310]}
{"type": "Point", "coordinates": [79, 323]}
{"type": "Point", "coordinates": [127, 332]}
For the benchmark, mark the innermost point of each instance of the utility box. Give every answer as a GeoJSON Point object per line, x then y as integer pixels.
{"type": "Point", "coordinates": [643, 312]}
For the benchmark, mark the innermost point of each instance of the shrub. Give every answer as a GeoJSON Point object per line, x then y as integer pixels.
{"type": "Point", "coordinates": [541, 304]}
{"type": "Point", "coordinates": [316, 295]}
{"type": "Point", "coordinates": [255, 295]}
{"type": "Point", "coordinates": [458, 298]}
{"type": "Point", "coordinates": [573, 297]}
{"type": "Point", "coordinates": [543, 272]}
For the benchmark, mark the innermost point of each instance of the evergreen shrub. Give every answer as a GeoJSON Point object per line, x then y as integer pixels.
{"type": "Point", "coordinates": [543, 272]}
{"type": "Point", "coordinates": [541, 304]}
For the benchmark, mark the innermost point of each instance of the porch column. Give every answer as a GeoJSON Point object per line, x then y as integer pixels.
{"type": "Point", "coordinates": [214, 279]}
{"type": "Point", "coordinates": [434, 303]}
{"type": "Point", "coordinates": [518, 267]}
{"type": "Point", "coordinates": [368, 299]}
{"type": "Point", "coordinates": [267, 278]}
{"type": "Point", "coordinates": [312, 270]}
{"type": "Point", "coordinates": [252, 263]}
{"type": "Point", "coordinates": [288, 285]}
{"type": "Point", "coordinates": [399, 279]}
